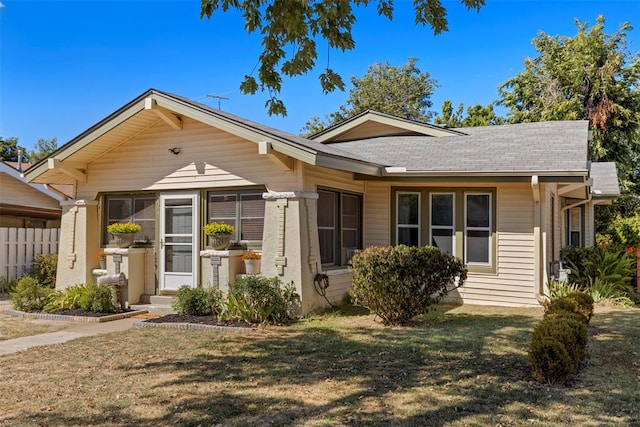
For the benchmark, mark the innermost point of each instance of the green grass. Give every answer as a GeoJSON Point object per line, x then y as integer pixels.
{"type": "Point", "coordinates": [459, 366]}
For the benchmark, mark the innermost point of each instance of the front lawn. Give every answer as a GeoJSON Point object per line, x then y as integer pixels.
{"type": "Point", "coordinates": [16, 327]}
{"type": "Point", "coordinates": [460, 366]}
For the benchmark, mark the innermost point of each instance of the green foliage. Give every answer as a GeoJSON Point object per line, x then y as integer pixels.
{"type": "Point", "coordinates": [604, 292]}
{"type": "Point", "coordinates": [29, 295]}
{"type": "Point", "coordinates": [570, 332]}
{"type": "Point", "coordinates": [218, 228]}
{"type": "Point", "coordinates": [570, 305]}
{"type": "Point", "coordinates": [398, 283]}
{"type": "Point", "coordinates": [576, 257]}
{"type": "Point", "coordinates": [591, 76]}
{"type": "Point", "coordinates": [123, 228]}
{"type": "Point", "coordinates": [289, 30]}
{"type": "Point", "coordinates": [7, 286]}
{"type": "Point", "coordinates": [45, 269]}
{"type": "Point", "coordinates": [550, 361]}
{"type": "Point", "coordinates": [402, 91]}
{"type": "Point", "coordinates": [69, 298]}
{"type": "Point", "coordinates": [42, 149]}
{"type": "Point", "coordinates": [585, 303]}
{"type": "Point", "coordinates": [256, 299]}
{"type": "Point", "coordinates": [561, 289]}
{"type": "Point", "coordinates": [613, 266]}
{"type": "Point", "coordinates": [197, 301]}
{"type": "Point", "coordinates": [626, 231]}
{"type": "Point", "coordinates": [98, 298]}
{"type": "Point", "coordinates": [477, 115]}
{"type": "Point", "coordinates": [9, 150]}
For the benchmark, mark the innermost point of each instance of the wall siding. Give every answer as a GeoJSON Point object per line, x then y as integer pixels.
{"type": "Point", "coordinates": [209, 158]}
{"type": "Point", "coordinates": [15, 192]}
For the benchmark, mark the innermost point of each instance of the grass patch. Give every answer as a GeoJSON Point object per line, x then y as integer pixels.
{"type": "Point", "coordinates": [16, 327]}
{"type": "Point", "coordinates": [457, 366]}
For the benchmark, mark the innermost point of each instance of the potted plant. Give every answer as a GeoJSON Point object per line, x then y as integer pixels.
{"type": "Point", "coordinates": [102, 259]}
{"type": "Point", "coordinates": [123, 233]}
{"type": "Point", "coordinates": [219, 234]}
{"type": "Point", "coordinates": [251, 262]}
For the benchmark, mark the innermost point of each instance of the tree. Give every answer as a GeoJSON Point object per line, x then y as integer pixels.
{"type": "Point", "coordinates": [42, 149]}
{"type": "Point", "coordinates": [402, 91]}
{"type": "Point", "coordinates": [9, 150]}
{"type": "Point", "coordinates": [477, 115]}
{"type": "Point", "coordinates": [591, 76]}
{"type": "Point", "coordinates": [294, 25]}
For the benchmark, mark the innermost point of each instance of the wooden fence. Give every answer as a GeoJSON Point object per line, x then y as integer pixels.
{"type": "Point", "coordinates": [20, 246]}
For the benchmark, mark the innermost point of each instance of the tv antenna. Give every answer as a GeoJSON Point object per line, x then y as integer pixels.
{"type": "Point", "coordinates": [218, 97]}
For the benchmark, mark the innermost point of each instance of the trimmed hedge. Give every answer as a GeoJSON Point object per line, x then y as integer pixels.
{"type": "Point", "coordinates": [398, 283]}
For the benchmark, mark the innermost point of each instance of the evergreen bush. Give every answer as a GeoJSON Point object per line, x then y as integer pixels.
{"type": "Point", "coordinates": [28, 295]}
{"type": "Point", "coordinates": [197, 301]}
{"type": "Point", "coordinates": [45, 268]}
{"type": "Point", "coordinates": [550, 361]}
{"type": "Point", "coordinates": [398, 283]}
{"type": "Point", "coordinates": [256, 299]}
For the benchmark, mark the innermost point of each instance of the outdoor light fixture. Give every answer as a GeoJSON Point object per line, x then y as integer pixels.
{"type": "Point", "coordinates": [175, 150]}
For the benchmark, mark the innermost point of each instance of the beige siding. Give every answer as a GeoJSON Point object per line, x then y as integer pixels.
{"type": "Point", "coordinates": [513, 282]}
{"type": "Point", "coordinates": [209, 158]}
{"type": "Point", "coordinates": [339, 285]}
{"type": "Point", "coordinates": [315, 176]}
{"type": "Point", "coordinates": [16, 192]}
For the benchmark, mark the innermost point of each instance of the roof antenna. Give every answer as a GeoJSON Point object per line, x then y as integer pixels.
{"type": "Point", "coordinates": [218, 97]}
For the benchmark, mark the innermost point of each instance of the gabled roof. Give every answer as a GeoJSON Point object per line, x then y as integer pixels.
{"type": "Point", "coordinates": [545, 148]}
{"type": "Point", "coordinates": [68, 163]}
{"type": "Point", "coordinates": [605, 180]}
{"type": "Point", "coordinates": [375, 124]}
{"type": "Point", "coordinates": [9, 169]}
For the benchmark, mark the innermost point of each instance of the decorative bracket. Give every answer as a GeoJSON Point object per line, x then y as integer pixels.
{"type": "Point", "coordinates": [284, 162]}
{"type": "Point", "coordinates": [166, 115]}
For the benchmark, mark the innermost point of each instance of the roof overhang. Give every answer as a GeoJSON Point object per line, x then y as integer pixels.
{"type": "Point", "coordinates": [578, 177]}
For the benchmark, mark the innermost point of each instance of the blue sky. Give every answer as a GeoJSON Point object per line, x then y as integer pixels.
{"type": "Point", "coordinates": [65, 65]}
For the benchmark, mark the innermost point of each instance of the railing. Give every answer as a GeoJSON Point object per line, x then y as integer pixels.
{"type": "Point", "coordinates": [20, 246]}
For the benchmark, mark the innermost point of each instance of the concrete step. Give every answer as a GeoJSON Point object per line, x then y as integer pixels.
{"type": "Point", "coordinates": [161, 300]}
{"type": "Point", "coordinates": [154, 308]}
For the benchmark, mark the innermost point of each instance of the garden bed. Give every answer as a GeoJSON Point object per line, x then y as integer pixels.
{"type": "Point", "coordinates": [76, 315]}
{"type": "Point", "coordinates": [178, 321]}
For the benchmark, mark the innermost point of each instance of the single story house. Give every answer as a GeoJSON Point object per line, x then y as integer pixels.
{"type": "Point", "coordinates": [504, 199]}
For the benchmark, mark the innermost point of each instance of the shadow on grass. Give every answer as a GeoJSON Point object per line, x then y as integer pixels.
{"type": "Point", "coordinates": [451, 369]}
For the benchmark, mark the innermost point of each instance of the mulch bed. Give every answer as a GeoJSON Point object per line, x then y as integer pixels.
{"type": "Point", "coordinates": [86, 313]}
{"type": "Point", "coordinates": [200, 320]}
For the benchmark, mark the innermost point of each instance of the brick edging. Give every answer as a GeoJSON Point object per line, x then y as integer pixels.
{"type": "Point", "coordinates": [192, 326]}
{"type": "Point", "coordinates": [65, 317]}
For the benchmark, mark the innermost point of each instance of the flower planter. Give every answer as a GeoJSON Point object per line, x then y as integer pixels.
{"type": "Point", "coordinates": [218, 242]}
{"type": "Point", "coordinates": [123, 240]}
{"type": "Point", "coordinates": [252, 266]}
{"type": "Point", "coordinates": [103, 263]}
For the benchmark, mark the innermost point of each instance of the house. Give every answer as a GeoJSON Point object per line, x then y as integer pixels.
{"type": "Point", "coordinates": [505, 199]}
{"type": "Point", "coordinates": [27, 205]}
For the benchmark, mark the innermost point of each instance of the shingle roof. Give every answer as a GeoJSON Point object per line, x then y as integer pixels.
{"type": "Point", "coordinates": [605, 179]}
{"type": "Point", "coordinates": [526, 147]}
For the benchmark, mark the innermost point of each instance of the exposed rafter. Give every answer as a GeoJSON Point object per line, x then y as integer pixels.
{"type": "Point", "coordinates": [285, 162]}
{"type": "Point", "coordinates": [166, 115]}
{"type": "Point", "coordinates": [73, 172]}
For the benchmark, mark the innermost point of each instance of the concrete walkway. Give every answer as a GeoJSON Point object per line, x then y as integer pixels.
{"type": "Point", "coordinates": [73, 331]}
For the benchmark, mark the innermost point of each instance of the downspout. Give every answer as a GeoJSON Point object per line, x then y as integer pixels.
{"type": "Point", "coordinates": [537, 241]}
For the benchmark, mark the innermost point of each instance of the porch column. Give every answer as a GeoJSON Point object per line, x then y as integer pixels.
{"type": "Point", "coordinates": [79, 243]}
{"type": "Point", "coordinates": [290, 247]}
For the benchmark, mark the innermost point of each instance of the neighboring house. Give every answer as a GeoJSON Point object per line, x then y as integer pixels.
{"type": "Point", "coordinates": [27, 205]}
{"type": "Point", "coordinates": [504, 199]}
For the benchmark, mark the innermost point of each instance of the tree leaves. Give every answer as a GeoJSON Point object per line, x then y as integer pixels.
{"type": "Point", "coordinates": [295, 25]}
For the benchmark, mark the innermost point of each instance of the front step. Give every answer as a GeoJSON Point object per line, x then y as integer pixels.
{"type": "Point", "coordinates": [160, 304]}
{"type": "Point", "coordinates": [161, 299]}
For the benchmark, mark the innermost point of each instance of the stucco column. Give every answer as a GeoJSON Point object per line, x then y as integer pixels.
{"type": "Point", "coordinates": [290, 243]}
{"type": "Point", "coordinates": [79, 243]}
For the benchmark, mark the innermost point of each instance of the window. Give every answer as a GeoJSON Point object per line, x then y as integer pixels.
{"type": "Point", "coordinates": [339, 226]}
{"type": "Point", "coordinates": [139, 209]}
{"type": "Point", "coordinates": [458, 221]}
{"type": "Point", "coordinates": [244, 210]}
{"type": "Point", "coordinates": [477, 228]}
{"type": "Point", "coordinates": [408, 219]}
{"type": "Point", "coordinates": [442, 232]}
{"type": "Point", "coordinates": [575, 226]}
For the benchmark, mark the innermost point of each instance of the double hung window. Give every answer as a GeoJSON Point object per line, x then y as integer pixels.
{"type": "Point", "coordinates": [243, 210]}
{"type": "Point", "coordinates": [139, 209]}
{"type": "Point", "coordinates": [339, 226]}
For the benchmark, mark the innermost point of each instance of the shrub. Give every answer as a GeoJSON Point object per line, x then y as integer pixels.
{"type": "Point", "coordinates": [606, 293]}
{"type": "Point", "coordinates": [398, 283]}
{"type": "Point", "coordinates": [29, 295]}
{"type": "Point", "coordinates": [8, 286]}
{"type": "Point", "coordinates": [575, 258]}
{"type": "Point", "coordinates": [97, 298]}
{"type": "Point", "coordinates": [69, 298]}
{"type": "Point", "coordinates": [585, 302]}
{"type": "Point", "coordinates": [614, 266]}
{"type": "Point", "coordinates": [570, 331]}
{"type": "Point", "coordinates": [197, 301]}
{"type": "Point", "coordinates": [256, 299]}
{"type": "Point", "coordinates": [45, 268]}
{"type": "Point", "coordinates": [550, 361]}
{"type": "Point", "coordinates": [561, 289]}
{"type": "Point", "coordinates": [567, 304]}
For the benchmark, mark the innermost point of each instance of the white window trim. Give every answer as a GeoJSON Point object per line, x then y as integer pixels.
{"type": "Point", "coordinates": [489, 229]}
{"type": "Point", "coordinates": [417, 226]}
{"type": "Point", "coordinates": [571, 225]}
{"type": "Point", "coordinates": [452, 227]}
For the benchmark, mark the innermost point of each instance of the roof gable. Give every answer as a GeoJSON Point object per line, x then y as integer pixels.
{"type": "Point", "coordinates": [371, 123]}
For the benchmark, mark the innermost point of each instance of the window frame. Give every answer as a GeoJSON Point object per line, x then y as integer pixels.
{"type": "Point", "coordinates": [488, 228]}
{"type": "Point", "coordinates": [417, 226]}
{"type": "Point", "coordinates": [580, 228]}
{"type": "Point", "coordinates": [452, 227]}
{"type": "Point", "coordinates": [238, 194]}
{"type": "Point", "coordinates": [341, 254]}
{"type": "Point", "coordinates": [132, 197]}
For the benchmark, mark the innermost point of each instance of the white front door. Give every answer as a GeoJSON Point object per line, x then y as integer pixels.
{"type": "Point", "coordinates": [179, 234]}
